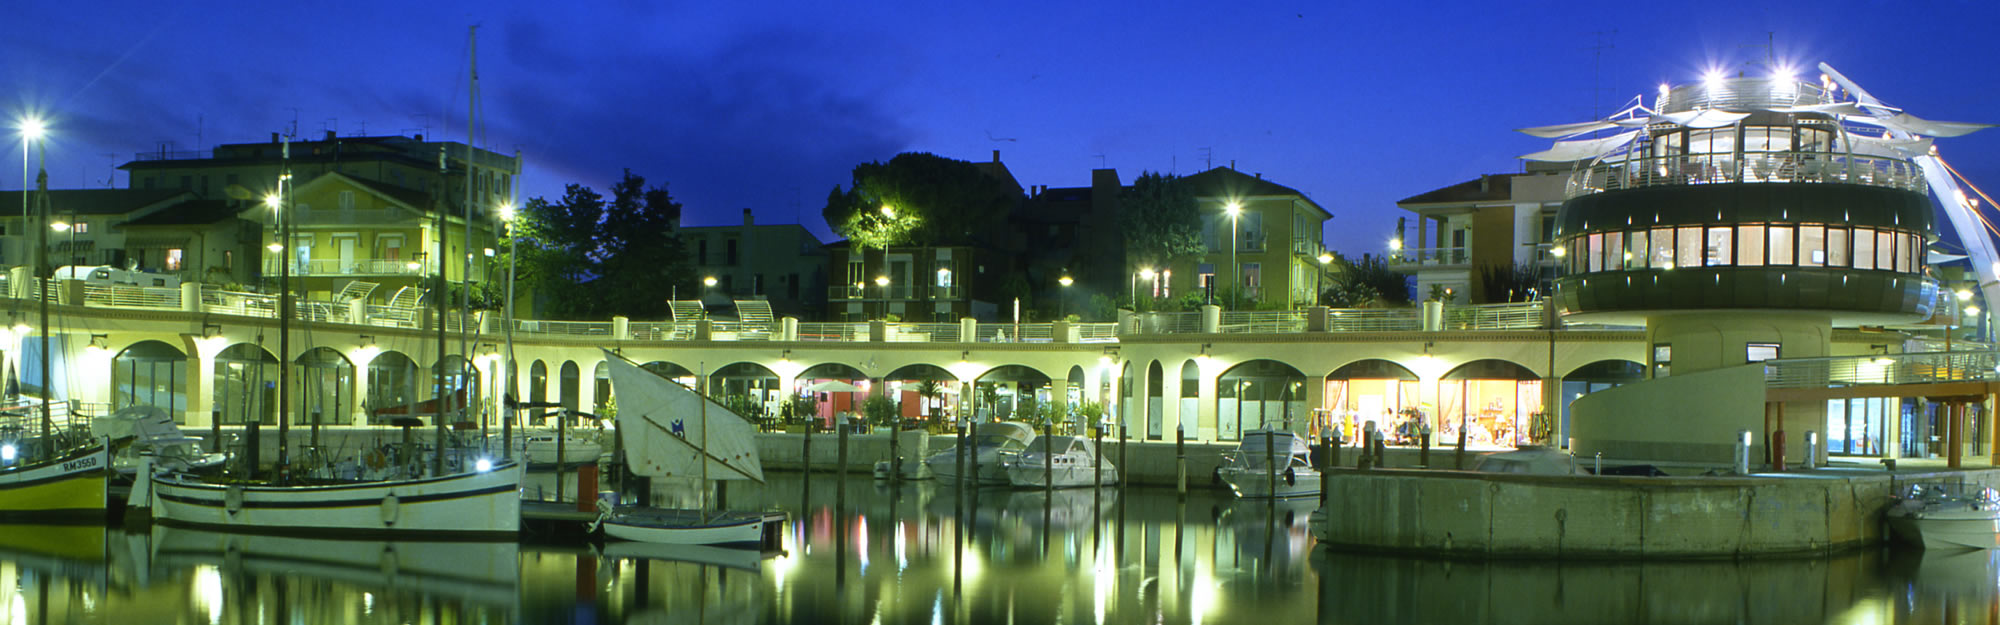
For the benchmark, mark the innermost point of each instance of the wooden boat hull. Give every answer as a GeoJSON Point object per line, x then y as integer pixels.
{"type": "Point", "coordinates": [464, 506]}
{"type": "Point", "coordinates": [70, 487]}
{"type": "Point", "coordinates": [740, 530]}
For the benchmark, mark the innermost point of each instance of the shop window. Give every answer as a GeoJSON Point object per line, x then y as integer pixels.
{"type": "Point", "coordinates": [1864, 248]}
{"type": "Point", "coordinates": [1663, 356]}
{"type": "Point", "coordinates": [1594, 261]}
{"type": "Point", "coordinates": [1812, 246]}
{"type": "Point", "coordinates": [174, 259]}
{"type": "Point", "coordinates": [1836, 247]}
{"type": "Point", "coordinates": [1719, 249]}
{"type": "Point", "coordinates": [1885, 250]}
{"type": "Point", "coordinates": [1760, 352]}
{"type": "Point", "coordinates": [1663, 248]}
{"type": "Point", "coordinates": [1688, 247]}
{"type": "Point", "coordinates": [1751, 252]}
{"type": "Point", "coordinates": [1636, 258]}
{"type": "Point", "coordinates": [1614, 250]}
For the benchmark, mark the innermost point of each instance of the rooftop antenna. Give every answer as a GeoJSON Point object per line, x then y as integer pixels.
{"type": "Point", "coordinates": [1596, 73]}
{"type": "Point", "coordinates": [1100, 160]}
{"type": "Point", "coordinates": [1770, 50]}
{"type": "Point", "coordinates": [1207, 159]}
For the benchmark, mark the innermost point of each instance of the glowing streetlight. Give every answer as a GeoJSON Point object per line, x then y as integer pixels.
{"type": "Point", "coordinates": [1062, 306]}
{"type": "Point", "coordinates": [59, 226]}
{"type": "Point", "coordinates": [272, 201]}
{"type": "Point", "coordinates": [1144, 272]}
{"type": "Point", "coordinates": [708, 281]}
{"type": "Point", "coordinates": [1324, 259]}
{"type": "Point", "coordinates": [889, 212]}
{"type": "Point", "coordinates": [1964, 295]}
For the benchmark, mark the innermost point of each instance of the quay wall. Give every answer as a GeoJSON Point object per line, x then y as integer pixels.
{"type": "Point", "coordinates": [1482, 515]}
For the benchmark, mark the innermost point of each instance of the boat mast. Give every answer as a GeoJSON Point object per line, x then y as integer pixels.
{"type": "Point", "coordinates": [703, 491]}
{"type": "Point", "coordinates": [465, 276]}
{"type": "Point", "coordinates": [284, 307]}
{"type": "Point", "coordinates": [42, 272]}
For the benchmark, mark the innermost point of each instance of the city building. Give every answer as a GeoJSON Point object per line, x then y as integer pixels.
{"type": "Point", "coordinates": [783, 264]}
{"type": "Point", "coordinates": [932, 283]}
{"type": "Point", "coordinates": [1483, 228]}
{"type": "Point", "coordinates": [1273, 257]}
{"type": "Point", "coordinates": [364, 209]}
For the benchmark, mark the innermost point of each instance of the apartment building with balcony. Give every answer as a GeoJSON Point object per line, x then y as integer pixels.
{"type": "Point", "coordinates": [1276, 244]}
{"type": "Point", "coordinates": [1494, 223]}
{"type": "Point", "coordinates": [783, 264]}
{"type": "Point", "coordinates": [362, 208]}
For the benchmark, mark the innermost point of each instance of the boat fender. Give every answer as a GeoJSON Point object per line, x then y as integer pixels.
{"type": "Point", "coordinates": [232, 498]}
{"type": "Point", "coordinates": [390, 507]}
{"type": "Point", "coordinates": [1291, 477]}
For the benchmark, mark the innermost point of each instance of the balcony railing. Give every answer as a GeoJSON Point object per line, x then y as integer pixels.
{"type": "Point", "coordinates": [337, 267]}
{"type": "Point", "coordinates": [1431, 256]}
{"type": "Point", "coordinates": [1694, 169]}
{"type": "Point", "coordinates": [1917, 368]}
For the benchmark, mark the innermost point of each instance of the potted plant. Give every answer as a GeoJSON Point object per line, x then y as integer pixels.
{"type": "Point", "coordinates": [1090, 413]}
{"type": "Point", "coordinates": [880, 411]}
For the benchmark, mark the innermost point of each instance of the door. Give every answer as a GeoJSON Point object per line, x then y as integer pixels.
{"type": "Point", "coordinates": [347, 253]}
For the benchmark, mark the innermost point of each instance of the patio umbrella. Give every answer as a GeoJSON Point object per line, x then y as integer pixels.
{"type": "Point", "coordinates": [834, 386]}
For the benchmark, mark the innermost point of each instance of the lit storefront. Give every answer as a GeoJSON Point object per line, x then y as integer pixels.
{"type": "Point", "coordinates": [1494, 402]}
{"type": "Point", "coordinates": [1258, 393]}
{"type": "Point", "coordinates": [1372, 390]}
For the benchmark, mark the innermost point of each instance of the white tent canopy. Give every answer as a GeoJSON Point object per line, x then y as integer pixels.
{"type": "Point", "coordinates": [1583, 149]}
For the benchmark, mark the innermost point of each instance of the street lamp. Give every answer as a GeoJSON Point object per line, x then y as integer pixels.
{"type": "Point", "coordinates": [1234, 209]}
{"type": "Point", "coordinates": [32, 130]}
{"type": "Point", "coordinates": [1062, 305]}
{"type": "Point", "coordinates": [1145, 272]}
{"type": "Point", "coordinates": [883, 281]}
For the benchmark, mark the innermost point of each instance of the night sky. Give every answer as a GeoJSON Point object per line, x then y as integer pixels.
{"type": "Point", "coordinates": [768, 106]}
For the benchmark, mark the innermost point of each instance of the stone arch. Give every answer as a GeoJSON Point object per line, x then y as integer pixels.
{"type": "Point", "coordinates": [393, 383]}
{"type": "Point", "coordinates": [461, 385]}
{"type": "Point", "coordinates": [538, 382]}
{"type": "Point", "coordinates": [1590, 378]}
{"type": "Point", "coordinates": [326, 386]}
{"type": "Point", "coordinates": [1001, 393]}
{"type": "Point", "coordinates": [1156, 409]}
{"type": "Point", "coordinates": [749, 388]}
{"type": "Point", "coordinates": [1374, 390]}
{"type": "Point", "coordinates": [672, 371]}
{"type": "Point", "coordinates": [1494, 402]}
{"type": "Point", "coordinates": [150, 373]}
{"type": "Point", "coordinates": [600, 385]}
{"type": "Point", "coordinates": [1190, 402]}
{"type": "Point", "coordinates": [908, 383]}
{"type": "Point", "coordinates": [1258, 393]}
{"type": "Point", "coordinates": [246, 381]}
{"type": "Point", "coordinates": [827, 402]}
{"type": "Point", "coordinates": [569, 387]}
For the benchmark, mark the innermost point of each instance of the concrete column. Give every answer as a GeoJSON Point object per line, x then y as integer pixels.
{"type": "Point", "coordinates": [878, 331]}
{"type": "Point", "coordinates": [1315, 399]}
{"type": "Point", "coordinates": [357, 310]}
{"type": "Point", "coordinates": [1059, 394]}
{"type": "Point", "coordinates": [191, 296]}
{"type": "Point", "coordinates": [69, 292]}
{"type": "Point", "coordinates": [361, 359]}
{"type": "Point", "coordinates": [704, 330]}
{"type": "Point", "coordinates": [621, 328]}
{"type": "Point", "coordinates": [788, 329]}
{"type": "Point", "coordinates": [1552, 409]}
{"type": "Point", "coordinates": [17, 281]}
{"type": "Point", "coordinates": [1205, 405]}
{"type": "Point", "coordinates": [1127, 323]}
{"type": "Point", "coordinates": [1892, 432]}
{"type": "Point", "coordinates": [1062, 332]}
{"type": "Point", "coordinates": [968, 330]}
{"type": "Point", "coordinates": [199, 380]}
{"type": "Point", "coordinates": [1318, 318]}
{"type": "Point", "coordinates": [1211, 319]}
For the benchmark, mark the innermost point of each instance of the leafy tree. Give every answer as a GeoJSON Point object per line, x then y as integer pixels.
{"type": "Point", "coordinates": [1160, 219]}
{"type": "Point", "coordinates": [1365, 283]}
{"type": "Point", "coordinates": [1503, 283]}
{"type": "Point", "coordinates": [931, 200]}
{"type": "Point", "coordinates": [566, 247]}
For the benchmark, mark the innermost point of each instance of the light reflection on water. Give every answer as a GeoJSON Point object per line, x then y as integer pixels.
{"type": "Point", "coordinates": [920, 554]}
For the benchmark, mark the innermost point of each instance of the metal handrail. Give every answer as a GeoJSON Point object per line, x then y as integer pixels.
{"type": "Point", "coordinates": [1906, 368]}
{"type": "Point", "coordinates": [1693, 169]}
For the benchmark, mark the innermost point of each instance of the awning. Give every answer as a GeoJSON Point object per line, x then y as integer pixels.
{"type": "Point", "coordinates": [1583, 149]}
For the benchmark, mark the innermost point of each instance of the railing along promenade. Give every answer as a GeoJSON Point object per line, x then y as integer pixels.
{"type": "Point", "coordinates": [1882, 369]}
{"type": "Point", "coordinates": [208, 299]}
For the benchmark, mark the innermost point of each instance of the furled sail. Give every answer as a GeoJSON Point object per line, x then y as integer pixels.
{"type": "Point", "coordinates": [662, 424]}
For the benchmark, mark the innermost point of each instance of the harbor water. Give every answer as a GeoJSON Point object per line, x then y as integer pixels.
{"type": "Point", "coordinates": [859, 551]}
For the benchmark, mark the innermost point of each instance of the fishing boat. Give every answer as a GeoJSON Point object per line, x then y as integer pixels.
{"type": "Point", "coordinates": [996, 446]}
{"type": "Point", "coordinates": [548, 448]}
{"type": "Point", "coordinates": [1948, 516]}
{"type": "Point", "coordinates": [1270, 463]}
{"type": "Point", "coordinates": [462, 496]}
{"type": "Point", "coordinates": [1060, 462]}
{"type": "Point", "coordinates": [48, 473]}
{"type": "Point", "coordinates": [672, 433]}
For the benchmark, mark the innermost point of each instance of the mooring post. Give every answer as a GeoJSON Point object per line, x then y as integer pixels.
{"type": "Point", "coordinates": [1180, 458]}
{"type": "Point", "coordinates": [1459, 463]}
{"type": "Point", "coordinates": [1424, 438]}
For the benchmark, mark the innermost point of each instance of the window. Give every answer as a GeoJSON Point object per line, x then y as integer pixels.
{"type": "Point", "coordinates": [392, 247]}
{"type": "Point", "coordinates": [1751, 252]}
{"type": "Point", "coordinates": [347, 200]}
{"type": "Point", "coordinates": [1210, 238]}
{"type": "Point", "coordinates": [729, 252]}
{"type": "Point", "coordinates": [1812, 246]}
{"type": "Point", "coordinates": [82, 227]}
{"type": "Point", "coordinates": [1614, 250]}
{"type": "Point", "coordinates": [1718, 245]}
{"type": "Point", "coordinates": [1663, 248]}
{"type": "Point", "coordinates": [174, 259]}
{"type": "Point", "coordinates": [1663, 357]}
{"type": "Point", "coordinates": [1885, 250]}
{"type": "Point", "coordinates": [1594, 259]}
{"type": "Point", "coordinates": [1253, 279]}
{"type": "Point", "coordinates": [1864, 248]}
{"type": "Point", "coordinates": [1836, 247]}
{"type": "Point", "coordinates": [792, 286]}
{"type": "Point", "coordinates": [701, 252]}
{"type": "Point", "coordinates": [1781, 245]}
{"type": "Point", "coordinates": [1760, 352]}
{"type": "Point", "coordinates": [1688, 247]}
{"type": "Point", "coordinates": [1548, 227]}
{"type": "Point", "coordinates": [1636, 258]}
{"type": "Point", "coordinates": [228, 259]}
{"type": "Point", "coordinates": [1204, 275]}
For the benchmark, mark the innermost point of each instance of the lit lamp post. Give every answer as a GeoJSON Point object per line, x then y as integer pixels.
{"type": "Point", "coordinates": [883, 281]}
{"type": "Point", "coordinates": [32, 130]}
{"type": "Point", "coordinates": [1234, 209]}
{"type": "Point", "coordinates": [1062, 303]}
{"type": "Point", "coordinates": [1134, 290]}
{"type": "Point", "coordinates": [1149, 275]}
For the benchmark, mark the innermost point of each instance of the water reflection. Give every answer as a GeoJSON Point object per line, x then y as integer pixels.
{"type": "Point", "coordinates": [924, 553]}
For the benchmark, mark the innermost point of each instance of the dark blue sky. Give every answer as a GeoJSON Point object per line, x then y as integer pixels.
{"type": "Point", "coordinates": [767, 106]}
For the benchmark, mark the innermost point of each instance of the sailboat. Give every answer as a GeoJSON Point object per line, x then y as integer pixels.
{"type": "Point", "coordinates": [480, 501]}
{"type": "Point", "coordinates": [673, 433]}
{"type": "Point", "coordinates": [56, 475]}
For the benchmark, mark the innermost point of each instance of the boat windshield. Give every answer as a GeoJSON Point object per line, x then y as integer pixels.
{"type": "Point", "coordinates": [1002, 442]}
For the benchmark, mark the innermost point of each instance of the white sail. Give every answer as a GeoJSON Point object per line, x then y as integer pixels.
{"type": "Point", "coordinates": [662, 426]}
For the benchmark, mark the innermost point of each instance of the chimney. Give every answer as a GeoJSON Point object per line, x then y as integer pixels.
{"type": "Point", "coordinates": [747, 219]}
{"type": "Point", "coordinates": [329, 135]}
{"type": "Point", "coordinates": [274, 137]}
{"type": "Point", "coordinates": [420, 138]}
{"type": "Point", "coordinates": [1485, 185]}
{"type": "Point", "coordinates": [1260, 175]}
{"type": "Point", "coordinates": [996, 156]}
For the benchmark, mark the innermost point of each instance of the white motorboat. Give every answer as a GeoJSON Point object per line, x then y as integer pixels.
{"type": "Point", "coordinates": [483, 503]}
{"type": "Point", "coordinates": [1270, 463]}
{"type": "Point", "coordinates": [672, 433]}
{"type": "Point", "coordinates": [142, 431]}
{"type": "Point", "coordinates": [998, 445]}
{"type": "Point", "coordinates": [1948, 516]}
{"type": "Point", "coordinates": [543, 448]}
{"type": "Point", "coordinates": [1060, 462]}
